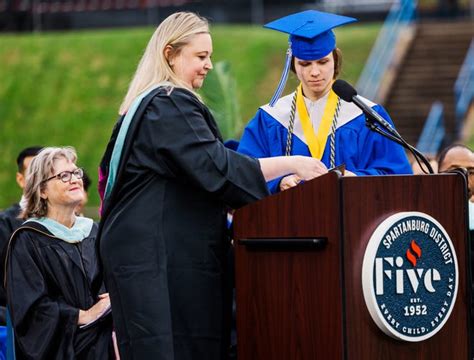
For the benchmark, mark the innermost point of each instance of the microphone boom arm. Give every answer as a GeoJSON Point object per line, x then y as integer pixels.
{"type": "Point", "coordinates": [398, 139]}
{"type": "Point", "coordinates": [347, 93]}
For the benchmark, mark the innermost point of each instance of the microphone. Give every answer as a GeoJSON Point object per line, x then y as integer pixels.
{"type": "Point", "coordinates": [347, 93]}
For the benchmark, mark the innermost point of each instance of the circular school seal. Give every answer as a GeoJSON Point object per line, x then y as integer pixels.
{"type": "Point", "coordinates": [410, 276]}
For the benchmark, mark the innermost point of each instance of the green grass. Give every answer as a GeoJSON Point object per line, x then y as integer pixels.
{"type": "Point", "coordinates": [65, 88]}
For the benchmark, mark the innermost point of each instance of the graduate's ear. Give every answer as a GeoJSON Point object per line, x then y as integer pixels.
{"type": "Point", "coordinates": [169, 53]}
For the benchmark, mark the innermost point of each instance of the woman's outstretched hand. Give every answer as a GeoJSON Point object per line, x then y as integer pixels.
{"type": "Point", "coordinates": [308, 168]}
{"type": "Point", "coordinates": [305, 167]}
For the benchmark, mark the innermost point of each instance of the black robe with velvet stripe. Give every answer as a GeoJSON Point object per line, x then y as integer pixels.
{"type": "Point", "coordinates": [163, 238]}
{"type": "Point", "coordinates": [48, 280]}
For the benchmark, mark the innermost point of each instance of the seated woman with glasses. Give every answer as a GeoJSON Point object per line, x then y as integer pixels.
{"type": "Point", "coordinates": [52, 267]}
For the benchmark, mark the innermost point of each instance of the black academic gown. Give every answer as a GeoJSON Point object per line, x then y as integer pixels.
{"type": "Point", "coordinates": [48, 280]}
{"type": "Point", "coordinates": [163, 237]}
{"type": "Point", "coordinates": [9, 222]}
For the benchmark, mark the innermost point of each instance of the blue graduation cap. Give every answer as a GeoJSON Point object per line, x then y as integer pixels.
{"type": "Point", "coordinates": [311, 38]}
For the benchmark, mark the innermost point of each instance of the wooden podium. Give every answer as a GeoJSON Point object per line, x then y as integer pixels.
{"type": "Point", "coordinates": [299, 259]}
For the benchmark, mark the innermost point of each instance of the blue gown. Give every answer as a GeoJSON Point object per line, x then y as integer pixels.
{"type": "Point", "coordinates": [363, 151]}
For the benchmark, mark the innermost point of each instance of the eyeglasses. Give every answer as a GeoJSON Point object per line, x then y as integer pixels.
{"type": "Point", "coordinates": [66, 176]}
{"type": "Point", "coordinates": [469, 170]}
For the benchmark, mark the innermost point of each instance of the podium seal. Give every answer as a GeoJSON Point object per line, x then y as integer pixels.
{"type": "Point", "coordinates": [410, 276]}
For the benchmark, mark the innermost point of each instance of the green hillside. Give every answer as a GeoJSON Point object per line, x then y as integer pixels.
{"type": "Point", "coordinates": [65, 88]}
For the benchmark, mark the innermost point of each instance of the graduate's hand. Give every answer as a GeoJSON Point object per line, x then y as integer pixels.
{"type": "Point", "coordinates": [93, 313]}
{"type": "Point", "coordinates": [289, 182]}
{"type": "Point", "coordinates": [308, 168]}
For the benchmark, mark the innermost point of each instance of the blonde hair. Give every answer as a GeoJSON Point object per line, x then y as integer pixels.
{"type": "Point", "coordinates": [176, 31]}
{"type": "Point", "coordinates": [40, 168]}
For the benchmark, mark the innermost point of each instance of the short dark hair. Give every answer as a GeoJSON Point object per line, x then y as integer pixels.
{"type": "Point", "coordinates": [86, 181]}
{"type": "Point", "coordinates": [337, 54]}
{"type": "Point", "coordinates": [27, 152]}
{"type": "Point", "coordinates": [444, 152]}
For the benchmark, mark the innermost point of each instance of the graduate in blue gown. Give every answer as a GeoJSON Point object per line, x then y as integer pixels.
{"type": "Point", "coordinates": [313, 120]}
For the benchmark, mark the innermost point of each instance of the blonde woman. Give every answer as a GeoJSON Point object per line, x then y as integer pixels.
{"type": "Point", "coordinates": [169, 181]}
{"type": "Point", "coordinates": [51, 265]}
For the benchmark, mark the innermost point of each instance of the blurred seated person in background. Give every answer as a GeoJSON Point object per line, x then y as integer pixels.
{"type": "Point", "coordinates": [458, 156]}
{"type": "Point", "coordinates": [313, 120]}
{"type": "Point", "coordinates": [51, 265]}
{"type": "Point", "coordinates": [86, 182]}
{"type": "Point", "coordinates": [9, 220]}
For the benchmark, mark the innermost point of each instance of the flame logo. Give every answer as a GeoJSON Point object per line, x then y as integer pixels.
{"type": "Point", "coordinates": [414, 254]}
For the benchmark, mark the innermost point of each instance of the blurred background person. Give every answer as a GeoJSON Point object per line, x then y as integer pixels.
{"type": "Point", "coordinates": [10, 221]}
{"type": "Point", "coordinates": [51, 265]}
{"type": "Point", "coordinates": [453, 157]}
{"type": "Point", "coordinates": [458, 156]}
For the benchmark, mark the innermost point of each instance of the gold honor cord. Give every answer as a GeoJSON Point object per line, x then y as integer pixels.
{"type": "Point", "coordinates": [316, 143]}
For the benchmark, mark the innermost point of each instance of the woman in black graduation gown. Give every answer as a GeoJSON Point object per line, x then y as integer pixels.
{"type": "Point", "coordinates": [169, 183]}
{"type": "Point", "coordinates": [51, 265]}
